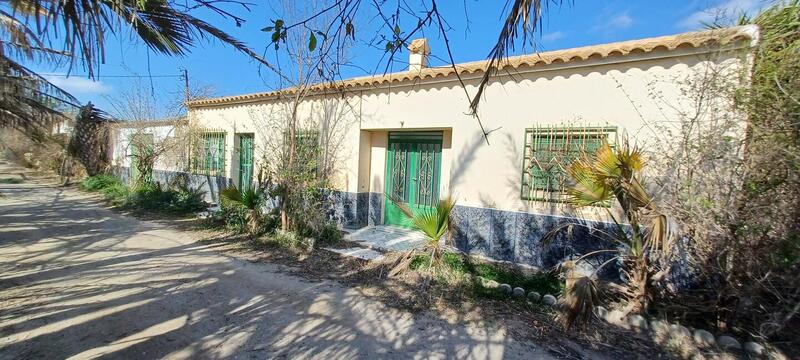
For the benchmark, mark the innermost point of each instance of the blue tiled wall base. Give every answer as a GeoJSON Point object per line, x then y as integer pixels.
{"type": "Point", "coordinates": [209, 184]}
{"type": "Point", "coordinates": [518, 237]}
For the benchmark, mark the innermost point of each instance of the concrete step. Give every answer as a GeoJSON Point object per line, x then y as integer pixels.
{"type": "Point", "coordinates": [387, 238]}
{"type": "Point", "coordinates": [358, 252]}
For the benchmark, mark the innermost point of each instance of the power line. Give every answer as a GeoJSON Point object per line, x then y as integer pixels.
{"type": "Point", "coordinates": [113, 76]}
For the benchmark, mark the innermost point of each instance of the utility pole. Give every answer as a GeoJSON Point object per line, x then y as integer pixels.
{"type": "Point", "coordinates": [185, 75]}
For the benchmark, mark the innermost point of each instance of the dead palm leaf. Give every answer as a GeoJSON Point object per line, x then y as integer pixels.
{"type": "Point", "coordinates": [581, 296]}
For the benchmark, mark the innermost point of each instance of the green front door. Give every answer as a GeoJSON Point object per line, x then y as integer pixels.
{"type": "Point", "coordinates": [245, 161]}
{"type": "Point", "coordinates": [413, 166]}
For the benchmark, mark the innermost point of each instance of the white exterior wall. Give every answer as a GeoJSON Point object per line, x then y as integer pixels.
{"type": "Point", "coordinates": [122, 151]}
{"type": "Point", "coordinates": [624, 91]}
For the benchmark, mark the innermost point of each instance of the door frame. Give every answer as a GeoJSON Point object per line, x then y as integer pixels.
{"type": "Point", "coordinates": [239, 137]}
{"type": "Point", "coordinates": [415, 138]}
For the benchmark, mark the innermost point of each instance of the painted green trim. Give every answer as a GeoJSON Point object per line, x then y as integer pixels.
{"type": "Point", "coordinates": [415, 144]}
{"type": "Point", "coordinates": [246, 145]}
{"type": "Point", "coordinates": [535, 184]}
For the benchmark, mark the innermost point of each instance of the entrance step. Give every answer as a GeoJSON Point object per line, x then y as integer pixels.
{"type": "Point", "coordinates": [388, 238]}
{"type": "Point", "coordinates": [359, 253]}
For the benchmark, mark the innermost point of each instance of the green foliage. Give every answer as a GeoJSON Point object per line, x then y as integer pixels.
{"type": "Point", "coordinates": [250, 198]}
{"type": "Point", "coordinates": [251, 202]}
{"type": "Point", "coordinates": [98, 182]}
{"type": "Point", "coordinates": [116, 193]}
{"type": "Point", "coordinates": [148, 196]}
{"type": "Point", "coordinates": [434, 223]}
{"type": "Point", "coordinates": [329, 233]}
{"type": "Point", "coordinates": [233, 216]}
{"type": "Point", "coordinates": [542, 282]}
{"type": "Point", "coordinates": [10, 181]}
{"type": "Point", "coordinates": [287, 239]}
{"type": "Point", "coordinates": [614, 173]}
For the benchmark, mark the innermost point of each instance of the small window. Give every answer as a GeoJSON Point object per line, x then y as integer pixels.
{"type": "Point", "coordinates": [547, 153]}
{"type": "Point", "coordinates": [210, 154]}
{"type": "Point", "coordinates": [308, 151]}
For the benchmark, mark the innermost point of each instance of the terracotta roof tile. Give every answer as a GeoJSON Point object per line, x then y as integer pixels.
{"type": "Point", "coordinates": [719, 37]}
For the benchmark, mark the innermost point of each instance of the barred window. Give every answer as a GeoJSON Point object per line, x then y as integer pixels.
{"type": "Point", "coordinates": [307, 150]}
{"type": "Point", "coordinates": [547, 153]}
{"type": "Point", "coordinates": [210, 154]}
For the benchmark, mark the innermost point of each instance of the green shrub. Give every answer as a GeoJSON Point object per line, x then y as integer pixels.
{"type": "Point", "coordinates": [99, 182]}
{"type": "Point", "coordinates": [117, 193]}
{"type": "Point", "coordinates": [542, 282]}
{"type": "Point", "coordinates": [154, 197]}
{"type": "Point", "coordinates": [10, 181]}
{"type": "Point", "coordinates": [233, 216]}
{"type": "Point", "coordinates": [329, 233]}
{"type": "Point", "coordinates": [287, 239]}
{"type": "Point", "coordinates": [147, 196]}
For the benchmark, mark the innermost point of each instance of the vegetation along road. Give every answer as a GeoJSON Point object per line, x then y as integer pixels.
{"type": "Point", "coordinates": [80, 281]}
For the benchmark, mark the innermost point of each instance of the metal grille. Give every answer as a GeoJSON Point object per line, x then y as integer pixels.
{"type": "Point", "coordinates": [427, 187]}
{"type": "Point", "coordinates": [400, 153]}
{"type": "Point", "coordinates": [245, 161]}
{"type": "Point", "coordinates": [210, 155]}
{"type": "Point", "coordinates": [547, 153]}
{"type": "Point", "coordinates": [308, 152]}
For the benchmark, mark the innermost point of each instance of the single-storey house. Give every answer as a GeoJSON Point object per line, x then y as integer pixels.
{"type": "Point", "coordinates": [409, 135]}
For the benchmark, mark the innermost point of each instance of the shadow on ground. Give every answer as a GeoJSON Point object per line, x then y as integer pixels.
{"type": "Point", "coordinates": [80, 281]}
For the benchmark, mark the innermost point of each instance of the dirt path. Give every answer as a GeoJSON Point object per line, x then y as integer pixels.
{"type": "Point", "coordinates": [80, 281]}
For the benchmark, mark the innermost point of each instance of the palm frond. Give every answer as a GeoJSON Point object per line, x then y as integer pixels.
{"type": "Point", "coordinates": [82, 26]}
{"type": "Point", "coordinates": [523, 17]}
{"type": "Point", "coordinates": [231, 193]}
{"type": "Point", "coordinates": [401, 205]}
{"type": "Point", "coordinates": [580, 298]}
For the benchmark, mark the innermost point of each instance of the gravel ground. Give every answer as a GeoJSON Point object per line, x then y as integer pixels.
{"type": "Point", "coordinates": [80, 281]}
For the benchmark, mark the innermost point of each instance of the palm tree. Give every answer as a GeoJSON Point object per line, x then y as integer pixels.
{"type": "Point", "coordinates": [252, 200]}
{"type": "Point", "coordinates": [78, 29]}
{"type": "Point", "coordinates": [434, 223]}
{"type": "Point", "coordinates": [642, 235]}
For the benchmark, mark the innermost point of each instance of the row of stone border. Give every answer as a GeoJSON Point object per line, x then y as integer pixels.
{"type": "Point", "coordinates": [518, 292]}
{"type": "Point", "coordinates": [702, 338]}
{"type": "Point", "coordinates": [637, 323]}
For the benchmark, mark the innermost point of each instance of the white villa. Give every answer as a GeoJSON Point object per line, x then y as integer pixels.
{"type": "Point", "coordinates": [408, 134]}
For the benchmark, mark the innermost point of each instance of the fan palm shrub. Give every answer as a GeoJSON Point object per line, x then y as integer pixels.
{"type": "Point", "coordinates": [433, 223]}
{"type": "Point", "coordinates": [252, 200]}
{"type": "Point", "coordinates": [641, 237]}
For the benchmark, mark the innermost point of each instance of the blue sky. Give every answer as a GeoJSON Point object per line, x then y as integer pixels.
{"type": "Point", "coordinates": [578, 23]}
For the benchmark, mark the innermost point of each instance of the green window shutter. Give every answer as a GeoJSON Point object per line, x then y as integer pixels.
{"type": "Point", "coordinates": [549, 151]}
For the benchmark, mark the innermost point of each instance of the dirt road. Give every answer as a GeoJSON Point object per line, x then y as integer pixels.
{"type": "Point", "coordinates": [80, 281]}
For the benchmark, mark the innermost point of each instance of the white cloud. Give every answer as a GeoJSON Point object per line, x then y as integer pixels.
{"type": "Point", "coordinates": [79, 85]}
{"type": "Point", "coordinates": [621, 21]}
{"type": "Point", "coordinates": [609, 23]}
{"type": "Point", "coordinates": [553, 36]}
{"type": "Point", "coordinates": [724, 10]}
